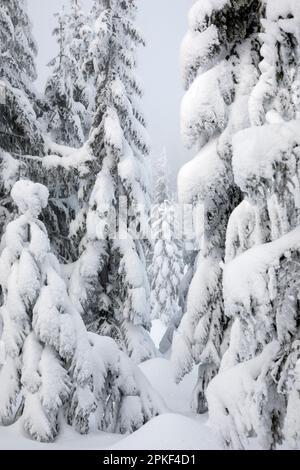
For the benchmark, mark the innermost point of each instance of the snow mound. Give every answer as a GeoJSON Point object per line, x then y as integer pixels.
{"type": "Point", "coordinates": [277, 9]}
{"type": "Point", "coordinates": [170, 431]}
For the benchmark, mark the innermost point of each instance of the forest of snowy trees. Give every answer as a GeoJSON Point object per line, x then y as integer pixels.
{"type": "Point", "coordinates": [98, 247]}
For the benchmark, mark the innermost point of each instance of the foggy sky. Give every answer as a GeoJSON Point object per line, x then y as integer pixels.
{"type": "Point", "coordinates": [164, 23]}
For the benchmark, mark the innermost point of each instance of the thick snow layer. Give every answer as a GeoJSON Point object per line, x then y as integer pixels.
{"type": "Point", "coordinates": [170, 431]}
{"type": "Point", "coordinates": [67, 157]}
{"type": "Point", "coordinates": [161, 374]}
{"type": "Point", "coordinates": [30, 197]}
{"type": "Point", "coordinates": [244, 275]}
{"type": "Point", "coordinates": [9, 170]}
{"type": "Point", "coordinates": [158, 330]}
{"type": "Point", "coordinates": [200, 175]}
{"type": "Point", "coordinates": [230, 398]}
{"type": "Point", "coordinates": [197, 48]}
{"type": "Point", "coordinates": [203, 9]}
{"type": "Point", "coordinates": [257, 149]}
{"type": "Point", "coordinates": [242, 230]}
{"type": "Point", "coordinates": [282, 8]}
{"type": "Point", "coordinates": [178, 428]}
{"type": "Point", "coordinates": [12, 437]}
{"type": "Point", "coordinates": [203, 109]}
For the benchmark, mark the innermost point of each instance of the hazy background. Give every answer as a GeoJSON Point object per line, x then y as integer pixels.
{"type": "Point", "coordinates": [163, 23]}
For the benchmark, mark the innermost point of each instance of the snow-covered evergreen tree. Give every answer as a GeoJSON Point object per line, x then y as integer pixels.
{"type": "Point", "coordinates": [261, 276]}
{"type": "Point", "coordinates": [80, 32]}
{"type": "Point", "coordinates": [219, 62]}
{"type": "Point", "coordinates": [50, 361]}
{"type": "Point", "coordinates": [19, 132]}
{"type": "Point", "coordinates": [166, 267]}
{"type": "Point", "coordinates": [66, 116]}
{"type": "Point", "coordinates": [110, 280]}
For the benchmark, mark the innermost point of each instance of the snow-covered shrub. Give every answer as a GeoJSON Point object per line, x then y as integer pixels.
{"type": "Point", "coordinates": [50, 361]}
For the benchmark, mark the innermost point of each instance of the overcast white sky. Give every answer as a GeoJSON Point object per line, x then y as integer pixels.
{"type": "Point", "coordinates": [164, 23]}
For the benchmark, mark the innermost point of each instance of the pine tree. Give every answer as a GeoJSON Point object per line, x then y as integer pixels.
{"type": "Point", "coordinates": [110, 281]}
{"type": "Point", "coordinates": [219, 61]}
{"type": "Point", "coordinates": [166, 267]}
{"type": "Point", "coordinates": [261, 276]}
{"type": "Point", "coordinates": [50, 362]}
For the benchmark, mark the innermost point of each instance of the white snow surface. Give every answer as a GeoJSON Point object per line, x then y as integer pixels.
{"type": "Point", "coordinates": [170, 431]}
{"type": "Point", "coordinates": [204, 8]}
{"type": "Point", "coordinates": [256, 149]}
{"type": "Point", "coordinates": [243, 275]}
{"type": "Point", "coordinates": [198, 177]}
{"type": "Point", "coordinates": [176, 429]}
{"type": "Point", "coordinates": [30, 197]}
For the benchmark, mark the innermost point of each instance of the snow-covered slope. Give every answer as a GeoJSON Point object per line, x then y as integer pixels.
{"type": "Point", "coordinates": [170, 431]}
{"type": "Point", "coordinates": [177, 429]}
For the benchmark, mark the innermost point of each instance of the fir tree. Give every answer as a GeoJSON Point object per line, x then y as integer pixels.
{"type": "Point", "coordinates": [19, 102]}
{"type": "Point", "coordinates": [19, 132]}
{"type": "Point", "coordinates": [80, 37]}
{"type": "Point", "coordinates": [110, 281]}
{"type": "Point", "coordinates": [261, 276]}
{"type": "Point", "coordinates": [65, 118]}
{"type": "Point", "coordinates": [166, 267]}
{"type": "Point", "coordinates": [51, 364]}
{"type": "Point", "coordinates": [68, 113]}
{"type": "Point", "coordinates": [219, 61]}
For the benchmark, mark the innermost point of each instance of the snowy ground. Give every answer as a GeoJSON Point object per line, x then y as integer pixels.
{"type": "Point", "coordinates": [178, 429]}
